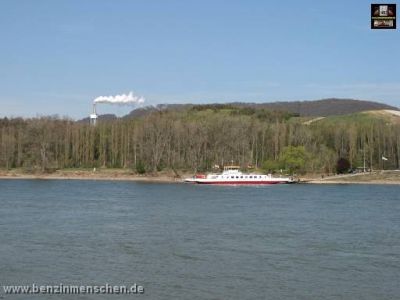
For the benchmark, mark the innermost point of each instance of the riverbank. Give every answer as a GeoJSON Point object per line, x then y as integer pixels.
{"type": "Point", "coordinates": [375, 177]}
{"type": "Point", "coordinates": [94, 174]}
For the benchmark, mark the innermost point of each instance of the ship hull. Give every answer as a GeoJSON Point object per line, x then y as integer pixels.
{"type": "Point", "coordinates": [261, 182]}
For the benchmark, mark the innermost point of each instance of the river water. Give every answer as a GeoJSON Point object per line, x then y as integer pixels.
{"type": "Point", "coordinates": [182, 241]}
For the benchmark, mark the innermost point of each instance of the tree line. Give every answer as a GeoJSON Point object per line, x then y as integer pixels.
{"type": "Point", "coordinates": [199, 139]}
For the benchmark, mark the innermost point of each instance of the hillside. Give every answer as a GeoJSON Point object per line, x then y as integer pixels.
{"type": "Point", "coordinates": [364, 117]}
{"type": "Point", "coordinates": [326, 107]}
{"type": "Point", "coordinates": [317, 108]}
{"type": "Point", "coordinates": [393, 116]}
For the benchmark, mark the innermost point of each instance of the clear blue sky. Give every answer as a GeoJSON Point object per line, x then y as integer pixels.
{"type": "Point", "coordinates": [56, 56]}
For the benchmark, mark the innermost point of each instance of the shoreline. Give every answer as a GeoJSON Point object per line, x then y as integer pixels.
{"type": "Point", "coordinates": [383, 177]}
{"type": "Point", "coordinates": [107, 175]}
{"type": "Point", "coordinates": [379, 182]}
{"type": "Point", "coordinates": [379, 178]}
{"type": "Point", "coordinates": [99, 178]}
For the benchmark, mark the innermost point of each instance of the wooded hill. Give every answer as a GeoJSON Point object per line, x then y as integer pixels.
{"type": "Point", "coordinates": [198, 137]}
{"type": "Point", "coordinates": [324, 107]}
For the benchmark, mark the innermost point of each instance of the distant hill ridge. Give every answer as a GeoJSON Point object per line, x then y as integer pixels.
{"type": "Point", "coordinates": [311, 108]}
{"type": "Point", "coordinates": [326, 107]}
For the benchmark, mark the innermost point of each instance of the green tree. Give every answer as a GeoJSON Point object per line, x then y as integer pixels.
{"type": "Point", "coordinates": [294, 158]}
{"type": "Point", "coordinates": [271, 165]}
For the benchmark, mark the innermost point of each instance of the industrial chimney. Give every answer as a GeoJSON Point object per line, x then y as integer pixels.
{"type": "Point", "coordinates": [93, 116]}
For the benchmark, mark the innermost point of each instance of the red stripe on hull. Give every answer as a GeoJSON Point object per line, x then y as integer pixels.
{"type": "Point", "coordinates": [240, 182]}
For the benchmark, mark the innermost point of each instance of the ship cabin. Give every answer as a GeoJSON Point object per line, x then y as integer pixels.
{"type": "Point", "coordinates": [234, 173]}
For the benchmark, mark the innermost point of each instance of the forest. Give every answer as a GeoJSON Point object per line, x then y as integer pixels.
{"type": "Point", "coordinates": [202, 138]}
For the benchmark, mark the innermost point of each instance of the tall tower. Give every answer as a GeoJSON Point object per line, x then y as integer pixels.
{"type": "Point", "coordinates": [93, 116]}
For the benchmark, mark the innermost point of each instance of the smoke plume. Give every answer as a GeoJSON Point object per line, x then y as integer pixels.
{"type": "Point", "coordinates": [129, 99]}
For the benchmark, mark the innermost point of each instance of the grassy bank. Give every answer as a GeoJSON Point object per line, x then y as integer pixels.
{"type": "Point", "coordinates": [91, 174]}
{"type": "Point", "coordinates": [376, 177]}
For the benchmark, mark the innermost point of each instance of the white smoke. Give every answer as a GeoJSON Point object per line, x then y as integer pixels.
{"type": "Point", "coordinates": [129, 99]}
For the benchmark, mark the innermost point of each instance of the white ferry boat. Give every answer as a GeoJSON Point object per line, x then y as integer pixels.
{"type": "Point", "coordinates": [232, 175]}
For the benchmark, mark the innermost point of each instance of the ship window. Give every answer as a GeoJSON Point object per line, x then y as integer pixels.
{"type": "Point", "coordinates": [237, 176]}
{"type": "Point", "coordinates": [241, 176]}
{"type": "Point", "coordinates": [232, 176]}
